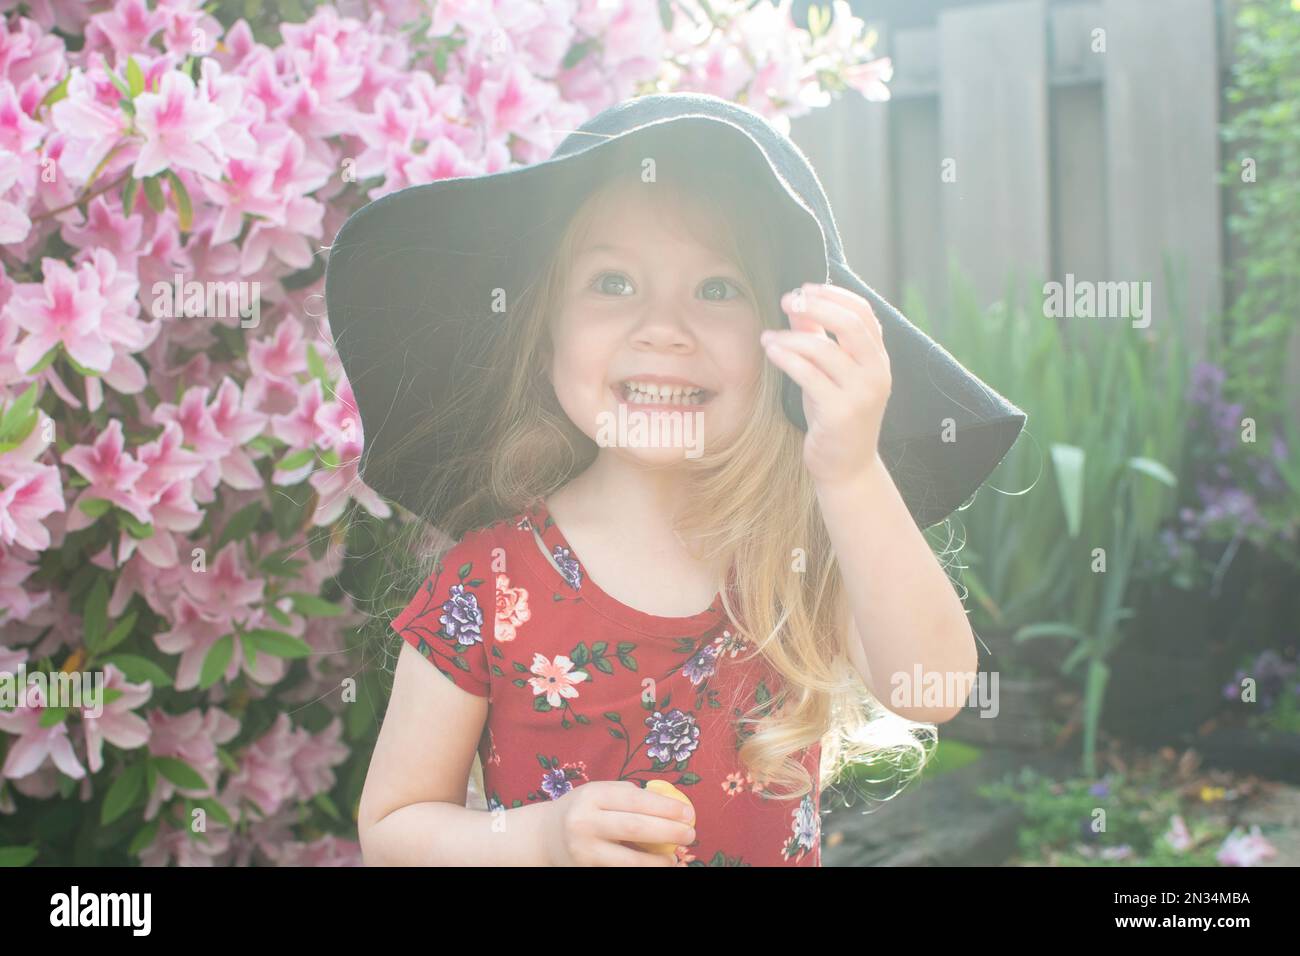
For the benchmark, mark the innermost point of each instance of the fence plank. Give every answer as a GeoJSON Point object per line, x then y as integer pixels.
{"type": "Point", "coordinates": [1162, 155]}
{"type": "Point", "coordinates": [993, 83]}
{"type": "Point", "coordinates": [848, 144]}
{"type": "Point", "coordinates": [920, 258]}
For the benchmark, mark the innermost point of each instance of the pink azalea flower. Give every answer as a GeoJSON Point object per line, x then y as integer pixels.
{"type": "Point", "coordinates": [29, 492]}
{"type": "Point", "coordinates": [19, 133]}
{"type": "Point", "coordinates": [126, 27]}
{"type": "Point", "coordinates": [1177, 836]}
{"type": "Point", "coordinates": [116, 723]}
{"type": "Point", "coordinates": [325, 851]}
{"type": "Point", "coordinates": [66, 309]}
{"type": "Point", "coordinates": [35, 744]}
{"type": "Point", "coordinates": [16, 603]}
{"type": "Point", "coordinates": [184, 848]}
{"type": "Point", "coordinates": [265, 776]}
{"type": "Point", "coordinates": [1241, 849]}
{"type": "Point", "coordinates": [193, 737]}
{"type": "Point", "coordinates": [112, 473]}
{"type": "Point", "coordinates": [178, 127]}
{"type": "Point", "coordinates": [92, 123]}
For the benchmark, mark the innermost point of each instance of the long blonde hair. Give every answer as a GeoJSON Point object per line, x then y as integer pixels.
{"type": "Point", "coordinates": [752, 503]}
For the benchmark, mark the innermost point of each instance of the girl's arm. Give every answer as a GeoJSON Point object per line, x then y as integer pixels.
{"type": "Point", "coordinates": [412, 810]}
{"type": "Point", "coordinates": [905, 614]}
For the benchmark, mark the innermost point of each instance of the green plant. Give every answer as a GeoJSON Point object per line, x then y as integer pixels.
{"type": "Point", "coordinates": [1262, 166]}
{"type": "Point", "coordinates": [1118, 821]}
{"type": "Point", "coordinates": [1056, 559]}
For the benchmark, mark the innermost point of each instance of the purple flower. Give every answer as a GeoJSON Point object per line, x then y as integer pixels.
{"type": "Point", "coordinates": [568, 567]}
{"type": "Point", "coordinates": [1100, 789]}
{"type": "Point", "coordinates": [555, 783]}
{"type": "Point", "coordinates": [702, 665]}
{"type": "Point", "coordinates": [672, 737]}
{"type": "Point", "coordinates": [462, 618]}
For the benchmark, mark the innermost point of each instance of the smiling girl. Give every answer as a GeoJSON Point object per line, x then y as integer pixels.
{"type": "Point", "coordinates": [607, 614]}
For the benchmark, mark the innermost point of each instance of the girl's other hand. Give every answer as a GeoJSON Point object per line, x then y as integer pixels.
{"type": "Point", "coordinates": [589, 825]}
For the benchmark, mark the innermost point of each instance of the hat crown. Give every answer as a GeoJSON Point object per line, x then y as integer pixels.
{"type": "Point", "coordinates": [784, 155]}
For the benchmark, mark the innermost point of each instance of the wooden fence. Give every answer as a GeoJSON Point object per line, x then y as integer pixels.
{"type": "Point", "coordinates": [1033, 140]}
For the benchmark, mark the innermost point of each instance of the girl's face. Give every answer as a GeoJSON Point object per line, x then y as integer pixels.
{"type": "Point", "coordinates": [646, 302]}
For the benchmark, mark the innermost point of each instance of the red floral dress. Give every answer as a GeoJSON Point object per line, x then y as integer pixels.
{"type": "Point", "coordinates": [582, 687]}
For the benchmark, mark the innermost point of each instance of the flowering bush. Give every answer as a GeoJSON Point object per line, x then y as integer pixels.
{"type": "Point", "coordinates": [179, 503]}
{"type": "Point", "coordinates": [1238, 490]}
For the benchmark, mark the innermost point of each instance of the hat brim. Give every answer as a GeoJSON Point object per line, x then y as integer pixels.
{"type": "Point", "coordinates": [411, 278]}
{"type": "Point", "coordinates": [944, 430]}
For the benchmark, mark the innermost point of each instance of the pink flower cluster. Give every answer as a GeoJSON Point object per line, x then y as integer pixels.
{"type": "Point", "coordinates": [166, 191]}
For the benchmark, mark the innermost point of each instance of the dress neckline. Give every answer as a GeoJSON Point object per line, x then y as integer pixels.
{"type": "Point", "coordinates": [573, 580]}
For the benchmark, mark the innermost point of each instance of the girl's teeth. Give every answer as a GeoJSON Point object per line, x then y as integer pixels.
{"type": "Point", "coordinates": [673, 395]}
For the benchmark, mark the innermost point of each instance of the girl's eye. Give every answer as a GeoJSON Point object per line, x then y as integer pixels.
{"type": "Point", "coordinates": [620, 283]}
{"type": "Point", "coordinates": [719, 283]}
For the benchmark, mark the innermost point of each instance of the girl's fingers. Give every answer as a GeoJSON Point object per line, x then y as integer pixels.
{"type": "Point", "coordinates": [864, 315]}
{"type": "Point", "coordinates": [851, 331]}
{"type": "Point", "coordinates": [806, 375]}
{"type": "Point", "coordinates": [643, 828]}
{"type": "Point", "coordinates": [829, 358]}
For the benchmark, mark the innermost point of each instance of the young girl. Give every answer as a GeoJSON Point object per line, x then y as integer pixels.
{"type": "Point", "coordinates": [605, 611]}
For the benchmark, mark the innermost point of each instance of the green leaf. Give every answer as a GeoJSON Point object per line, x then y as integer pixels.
{"type": "Point", "coordinates": [1068, 463]}
{"type": "Point", "coordinates": [214, 809]}
{"type": "Point", "coordinates": [278, 644]}
{"type": "Point", "coordinates": [241, 525]}
{"type": "Point", "coordinates": [153, 192]}
{"type": "Point", "coordinates": [180, 773]}
{"type": "Point", "coordinates": [121, 86]}
{"type": "Point", "coordinates": [95, 507]}
{"type": "Point", "coordinates": [144, 837]}
{"type": "Point", "coordinates": [1153, 469]}
{"type": "Point", "coordinates": [134, 78]}
{"type": "Point", "coordinates": [138, 669]}
{"type": "Point", "coordinates": [57, 93]}
{"type": "Point", "coordinates": [120, 632]}
{"type": "Point", "coordinates": [17, 855]}
{"type": "Point", "coordinates": [216, 661]}
{"type": "Point", "coordinates": [95, 615]}
{"type": "Point", "coordinates": [133, 526]}
{"type": "Point", "coordinates": [45, 361]}
{"type": "Point", "coordinates": [50, 716]}
{"type": "Point", "coordinates": [184, 207]}
{"type": "Point", "coordinates": [313, 605]}
{"type": "Point", "coordinates": [316, 366]}
{"type": "Point", "coordinates": [296, 459]}
{"type": "Point", "coordinates": [19, 416]}
{"type": "Point", "coordinates": [129, 192]}
{"type": "Point", "coordinates": [122, 793]}
{"type": "Point", "coordinates": [323, 801]}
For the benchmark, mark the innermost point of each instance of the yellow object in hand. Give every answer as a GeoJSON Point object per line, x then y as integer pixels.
{"type": "Point", "coordinates": [668, 790]}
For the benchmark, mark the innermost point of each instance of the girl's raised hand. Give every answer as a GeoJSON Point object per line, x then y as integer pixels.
{"type": "Point", "coordinates": [846, 381]}
{"type": "Point", "coordinates": [589, 825]}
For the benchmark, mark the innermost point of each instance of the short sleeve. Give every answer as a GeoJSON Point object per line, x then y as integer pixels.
{"type": "Point", "coordinates": [452, 616]}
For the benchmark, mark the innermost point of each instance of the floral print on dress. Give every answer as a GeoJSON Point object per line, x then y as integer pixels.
{"type": "Point", "coordinates": [444, 623]}
{"type": "Point", "coordinates": [462, 618]}
{"type": "Point", "coordinates": [554, 679]}
{"type": "Point", "coordinates": [807, 830]}
{"type": "Point", "coordinates": [512, 610]}
{"type": "Point", "coordinates": [635, 698]}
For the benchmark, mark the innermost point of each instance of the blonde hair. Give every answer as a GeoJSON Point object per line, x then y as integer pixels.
{"type": "Point", "coordinates": [752, 502]}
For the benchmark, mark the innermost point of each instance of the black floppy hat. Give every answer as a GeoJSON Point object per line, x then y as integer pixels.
{"type": "Point", "coordinates": [411, 276]}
